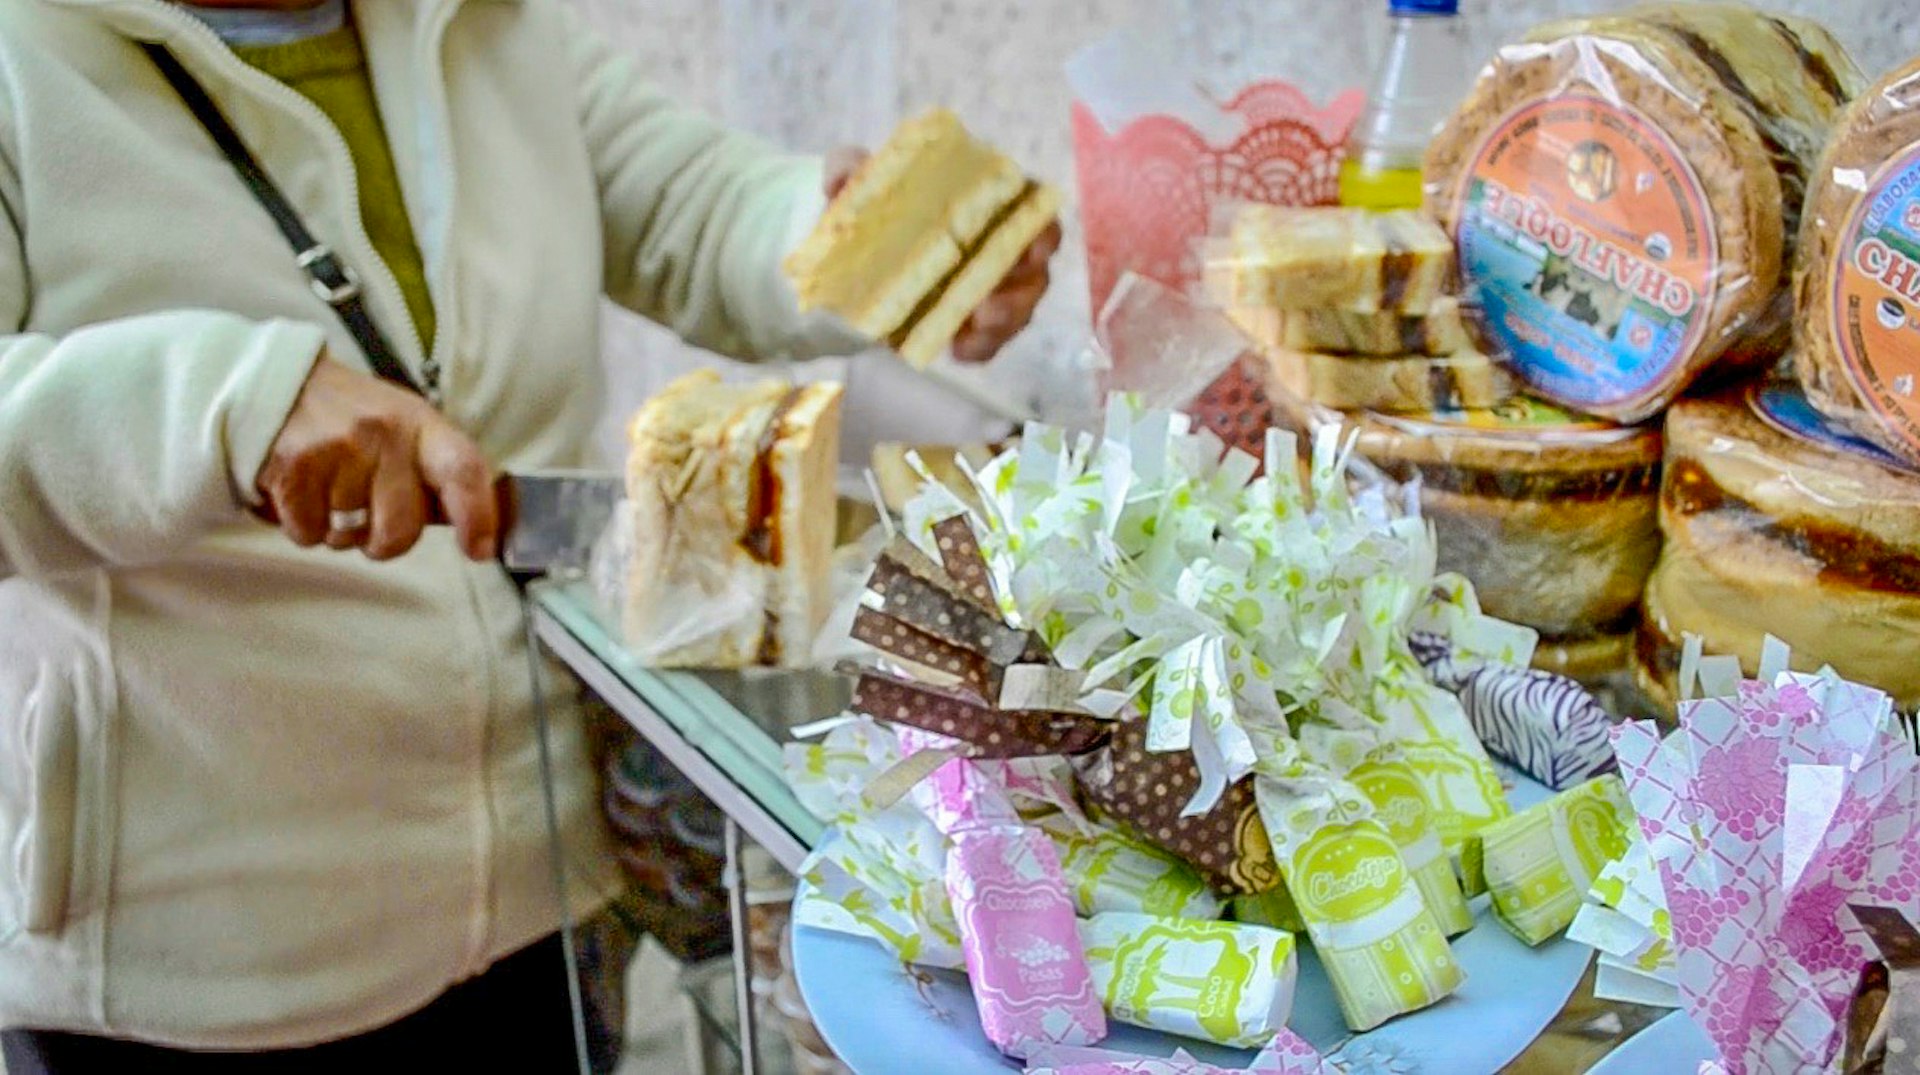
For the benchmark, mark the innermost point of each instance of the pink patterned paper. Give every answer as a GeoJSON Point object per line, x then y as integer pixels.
{"type": "Point", "coordinates": [1287, 1054]}
{"type": "Point", "coordinates": [1148, 190]}
{"type": "Point", "coordinates": [1767, 812]}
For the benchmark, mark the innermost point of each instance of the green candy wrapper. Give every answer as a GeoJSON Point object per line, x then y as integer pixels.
{"type": "Point", "coordinates": [1108, 870]}
{"type": "Point", "coordinates": [1540, 862]}
{"type": "Point", "coordinates": [1224, 982]}
{"type": "Point", "coordinates": [1383, 949]}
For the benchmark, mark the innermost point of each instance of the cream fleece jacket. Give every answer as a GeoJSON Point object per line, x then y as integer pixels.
{"type": "Point", "coordinates": [253, 796]}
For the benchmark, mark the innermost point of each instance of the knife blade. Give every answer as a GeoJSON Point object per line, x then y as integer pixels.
{"type": "Point", "coordinates": [550, 519]}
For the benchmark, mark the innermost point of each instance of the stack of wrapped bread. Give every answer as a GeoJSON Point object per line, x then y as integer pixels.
{"type": "Point", "coordinates": [1351, 309]}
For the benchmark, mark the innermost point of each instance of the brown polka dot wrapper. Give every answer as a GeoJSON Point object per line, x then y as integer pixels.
{"type": "Point", "coordinates": [989, 732]}
{"type": "Point", "coordinates": [1229, 844]}
{"type": "Point", "coordinates": [926, 607]}
{"type": "Point", "coordinates": [921, 651]}
{"type": "Point", "coordinates": [960, 554]}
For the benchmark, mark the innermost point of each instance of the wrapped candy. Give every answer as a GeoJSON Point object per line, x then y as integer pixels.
{"type": "Point", "coordinates": [1626, 921]}
{"type": "Point", "coordinates": [1540, 862]}
{"type": "Point", "coordinates": [1107, 870]}
{"type": "Point", "coordinates": [1017, 929]}
{"type": "Point", "coordinates": [1382, 948]}
{"type": "Point", "coordinates": [1223, 982]}
{"type": "Point", "coordinates": [1777, 802]}
{"type": "Point", "coordinates": [884, 878]}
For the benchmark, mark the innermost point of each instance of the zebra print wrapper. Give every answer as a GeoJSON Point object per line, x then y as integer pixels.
{"type": "Point", "coordinates": [1548, 726]}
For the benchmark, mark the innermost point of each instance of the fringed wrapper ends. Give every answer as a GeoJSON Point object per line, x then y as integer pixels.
{"type": "Point", "coordinates": [1777, 803]}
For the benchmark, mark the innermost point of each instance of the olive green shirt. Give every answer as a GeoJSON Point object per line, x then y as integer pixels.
{"type": "Point", "coordinates": [331, 71]}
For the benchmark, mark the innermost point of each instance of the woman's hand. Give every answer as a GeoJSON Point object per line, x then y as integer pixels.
{"type": "Point", "coordinates": [1003, 314]}
{"type": "Point", "coordinates": [363, 464]}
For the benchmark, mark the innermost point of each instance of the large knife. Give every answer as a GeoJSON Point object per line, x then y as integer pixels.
{"type": "Point", "coordinates": [550, 519]}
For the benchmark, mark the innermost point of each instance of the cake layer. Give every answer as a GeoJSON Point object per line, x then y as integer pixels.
{"type": "Point", "coordinates": [1552, 516]}
{"type": "Point", "coordinates": [1857, 517]}
{"type": "Point", "coordinates": [1311, 258]}
{"type": "Point", "coordinates": [944, 308]}
{"type": "Point", "coordinates": [1593, 662]}
{"type": "Point", "coordinates": [1562, 567]}
{"type": "Point", "coordinates": [905, 223]}
{"type": "Point", "coordinates": [1411, 383]}
{"type": "Point", "coordinates": [1613, 292]}
{"type": "Point", "coordinates": [1440, 331]}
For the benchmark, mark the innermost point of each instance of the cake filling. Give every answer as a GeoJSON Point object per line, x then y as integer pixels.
{"type": "Point", "coordinates": [932, 299]}
{"type": "Point", "coordinates": [761, 540]}
{"type": "Point", "coordinates": [1845, 556]}
{"type": "Point", "coordinates": [1593, 485]}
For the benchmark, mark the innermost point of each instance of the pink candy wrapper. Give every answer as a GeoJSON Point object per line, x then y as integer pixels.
{"type": "Point", "coordinates": [1775, 805]}
{"type": "Point", "coordinates": [1287, 1054]}
{"type": "Point", "coordinates": [1025, 960]}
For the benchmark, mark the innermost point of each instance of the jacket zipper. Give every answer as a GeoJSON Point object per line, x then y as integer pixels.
{"type": "Point", "coordinates": [342, 160]}
{"type": "Point", "coordinates": [430, 60]}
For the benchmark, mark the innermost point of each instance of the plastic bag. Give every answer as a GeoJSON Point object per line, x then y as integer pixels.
{"type": "Point", "coordinates": [1858, 280]}
{"type": "Point", "coordinates": [1774, 524]}
{"type": "Point", "coordinates": [1624, 190]}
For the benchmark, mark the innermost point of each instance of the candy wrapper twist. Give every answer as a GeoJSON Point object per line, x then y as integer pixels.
{"type": "Point", "coordinates": [1777, 803]}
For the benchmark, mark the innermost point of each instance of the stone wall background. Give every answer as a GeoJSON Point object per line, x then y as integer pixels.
{"type": "Point", "coordinates": [811, 74]}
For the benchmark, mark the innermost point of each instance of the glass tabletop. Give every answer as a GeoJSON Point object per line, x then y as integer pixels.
{"type": "Point", "coordinates": [739, 721]}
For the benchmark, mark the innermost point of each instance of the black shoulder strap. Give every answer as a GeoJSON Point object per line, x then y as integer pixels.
{"type": "Point", "coordinates": [332, 280]}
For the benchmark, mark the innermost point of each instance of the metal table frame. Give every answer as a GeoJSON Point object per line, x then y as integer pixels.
{"type": "Point", "coordinates": [744, 814]}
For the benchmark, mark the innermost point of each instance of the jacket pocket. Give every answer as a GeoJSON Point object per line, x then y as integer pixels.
{"type": "Point", "coordinates": [45, 843]}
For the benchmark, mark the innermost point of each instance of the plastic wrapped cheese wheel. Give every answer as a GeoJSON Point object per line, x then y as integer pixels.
{"type": "Point", "coordinates": [1551, 516]}
{"type": "Point", "coordinates": [1777, 523]}
{"type": "Point", "coordinates": [1858, 334]}
{"type": "Point", "coordinates": [1622, 190]}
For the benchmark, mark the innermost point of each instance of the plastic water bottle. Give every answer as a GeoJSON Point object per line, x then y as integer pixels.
{"type": "Point", "coordinates": [1418, 82]}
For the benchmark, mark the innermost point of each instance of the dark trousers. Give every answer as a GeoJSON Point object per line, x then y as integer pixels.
{"type": "Point", "coordinates": [514, 1017]}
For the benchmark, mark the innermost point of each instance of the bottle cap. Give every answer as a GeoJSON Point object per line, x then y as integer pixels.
{"type": "Point", "coordinates": [1423, 7]}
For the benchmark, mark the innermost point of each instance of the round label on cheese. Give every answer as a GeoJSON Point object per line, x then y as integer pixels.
{"type": "Point", "coordinates": [1586, 238]}
{"type": "Point", "coordinates": [1786, 409]}
{"type": "Point", "coordinates": [1876, 296]}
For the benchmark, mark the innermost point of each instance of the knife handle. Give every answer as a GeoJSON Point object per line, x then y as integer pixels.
{"type": "Point", "coordinates": [503, 492]}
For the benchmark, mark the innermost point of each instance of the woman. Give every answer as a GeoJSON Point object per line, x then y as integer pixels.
{"type": "Point", "coordinates": [259, 792]}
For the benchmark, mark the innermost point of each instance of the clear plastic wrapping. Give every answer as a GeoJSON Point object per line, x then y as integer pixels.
{"type": "Point", "coordinates": [1356, 260]}
{"type": "Point", "coordinates": [1776, 525]}
{"type": "Point", "coordinates": [1624, 192]}
{"type": "Point", "coordinates": [1553, 517]}
{"type": "Point", "coordinates": [1858, 278]}
{"type": "Point", "coordinates": [722, 554]}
